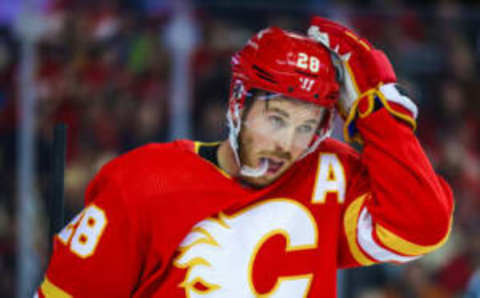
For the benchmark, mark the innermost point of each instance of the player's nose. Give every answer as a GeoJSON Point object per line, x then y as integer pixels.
{"type": "Point", "coordinates": [285, 141]}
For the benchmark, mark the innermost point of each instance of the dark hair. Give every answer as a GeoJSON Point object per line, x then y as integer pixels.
{"type": "Point", "coordinates": [250, 99]}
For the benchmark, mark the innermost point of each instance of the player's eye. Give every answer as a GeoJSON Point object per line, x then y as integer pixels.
{"type": "Point", "coordinates": [276, 121]}
{"type": "Point", "coordinates": [305, 128]}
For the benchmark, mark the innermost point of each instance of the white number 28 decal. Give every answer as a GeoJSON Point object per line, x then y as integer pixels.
{"type": "Point", "coordinates": [88, 232]}
{"type": "Point", "coordinates": [311, 63]}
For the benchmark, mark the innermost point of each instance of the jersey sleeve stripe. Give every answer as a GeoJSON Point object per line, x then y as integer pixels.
{"type": "Point", "coordinates": [403, 246]}
{"type": "Point", "coordinates": [49, 290]}
{"type": "Point", "coordinates": [351, 225]}
{"type": "Point", "coordinates": [373, 249]}
{"type": "Point", "coordinates": [401, 115]}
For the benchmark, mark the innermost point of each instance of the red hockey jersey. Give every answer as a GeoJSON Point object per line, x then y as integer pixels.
{"type": "Point", "coordinates": [161, 221]}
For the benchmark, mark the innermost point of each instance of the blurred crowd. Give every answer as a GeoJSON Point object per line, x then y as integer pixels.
{"type": "Point", "coordinates": [104, 69]}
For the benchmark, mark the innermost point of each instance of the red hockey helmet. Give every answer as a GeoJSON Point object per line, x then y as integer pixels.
{"type": "Point", "coordinates": [287, 63]}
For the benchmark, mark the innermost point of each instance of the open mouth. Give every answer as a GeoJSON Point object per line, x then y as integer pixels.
{"type": "Point", "coordinates": [274, 165]}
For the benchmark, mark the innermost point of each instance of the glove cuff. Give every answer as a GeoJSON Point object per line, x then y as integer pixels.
{"type": "Point", "coordinates": [397, 104]}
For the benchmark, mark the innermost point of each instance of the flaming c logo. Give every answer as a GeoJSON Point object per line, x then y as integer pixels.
{"type": "Point", "coordinates": [219, 252]}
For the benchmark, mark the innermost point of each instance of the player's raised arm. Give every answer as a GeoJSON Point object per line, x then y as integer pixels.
{"type": "Point", "coordinates": [398, 208]}
{"type": "Point", "coordinates": [98, 253]}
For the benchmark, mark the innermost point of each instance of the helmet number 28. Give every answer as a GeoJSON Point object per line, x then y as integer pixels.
{"type": "Point", "coordinates": [304, 61]}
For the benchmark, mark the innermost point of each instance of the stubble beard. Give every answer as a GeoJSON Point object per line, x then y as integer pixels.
{"type": "Point", "coordinates": [245, 146]}
{"type": "Point", "coordinates": [247, 155]}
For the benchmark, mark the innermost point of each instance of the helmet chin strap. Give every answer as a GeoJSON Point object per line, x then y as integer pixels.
{"type": "Point", "coordinates": [255, 172]}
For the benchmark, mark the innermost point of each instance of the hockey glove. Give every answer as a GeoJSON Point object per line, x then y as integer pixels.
{"type": "Point", "coordinates": [368, 81]}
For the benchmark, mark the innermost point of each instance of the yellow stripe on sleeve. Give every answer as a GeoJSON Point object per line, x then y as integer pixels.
{"type": "Point", "coordinates": [50, 290]}
{"type": "Point", "coordinates": [397, 243]}
{"type": "Point", "coordinates": [405, 117]}
{"type": "Point", "coordinates": [350, 223]}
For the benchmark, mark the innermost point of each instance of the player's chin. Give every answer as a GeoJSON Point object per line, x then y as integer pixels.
{"type": "Point", "coordinates": [259, 182]}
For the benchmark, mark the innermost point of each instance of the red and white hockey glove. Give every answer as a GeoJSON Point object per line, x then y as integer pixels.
{"type": "Point", "coordinates": [368, 81]}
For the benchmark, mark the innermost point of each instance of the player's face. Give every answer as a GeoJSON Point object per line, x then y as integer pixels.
{"type": "Point", "coordinates": [278, 130]}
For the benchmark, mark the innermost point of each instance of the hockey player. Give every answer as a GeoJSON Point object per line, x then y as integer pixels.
{"type": "Point", "coordinates": [277, 208]}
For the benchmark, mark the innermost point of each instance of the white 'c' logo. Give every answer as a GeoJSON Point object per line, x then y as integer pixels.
{"type": "Point", "coordinates": [219, 252]}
